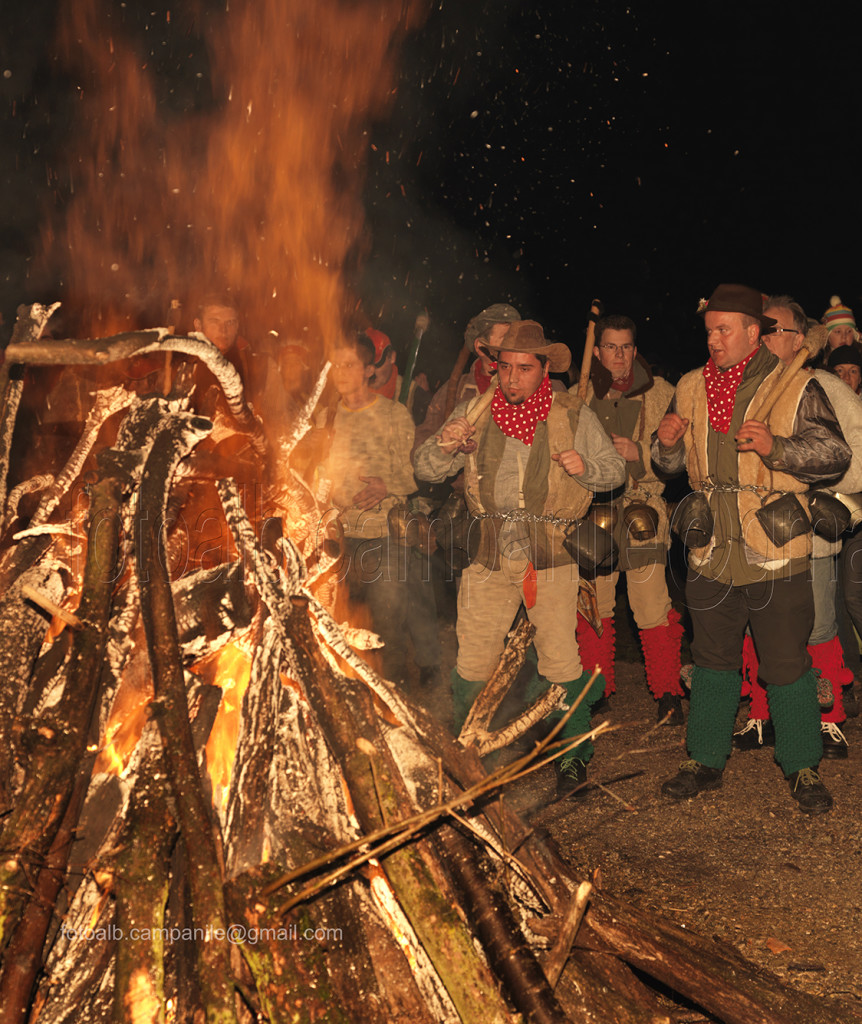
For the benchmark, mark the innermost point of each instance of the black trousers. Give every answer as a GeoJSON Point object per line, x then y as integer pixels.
{"type": "Point", "coordinates": [849, 604]}
{"type": "Point", "coordinates": [779, 611]}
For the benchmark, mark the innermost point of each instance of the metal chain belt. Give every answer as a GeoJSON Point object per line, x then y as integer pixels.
{"type": "Point", "coordinates": [755, 488]}
{"type": "Point", "coordinates": [521, 515]}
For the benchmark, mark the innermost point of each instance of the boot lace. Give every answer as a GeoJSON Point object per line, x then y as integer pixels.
{"type": "Point", "coordinates": [806, 777]}
{"type": "Point", "coordinates": [752, 723]}
{"type": "Point", "coordinates": [833, 732]}
{"type": "Point", "coordinates": [571, 766]}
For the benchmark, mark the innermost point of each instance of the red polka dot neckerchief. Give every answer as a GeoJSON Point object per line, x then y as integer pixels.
{"type": "Point", "coordinates": [721, 387]}
{"type": "Point", "coordinates": [520, 420]}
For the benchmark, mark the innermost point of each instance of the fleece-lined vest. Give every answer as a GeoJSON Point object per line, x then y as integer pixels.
{"type": "Point", "coordinates": [546, 487]}
{"type": "Point", "coordinates": [751, 470]}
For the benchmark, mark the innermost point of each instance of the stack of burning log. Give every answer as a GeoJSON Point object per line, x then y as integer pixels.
{"type": "Point", "coordinates": [356, 863]}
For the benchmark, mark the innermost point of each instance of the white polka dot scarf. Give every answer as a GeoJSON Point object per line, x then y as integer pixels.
{"type": "Point", "coordinates": [520, 420]}
{"type": "Point", "coordinates": [721, 388]}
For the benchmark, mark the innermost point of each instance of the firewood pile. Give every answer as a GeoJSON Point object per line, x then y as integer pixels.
{"type": "Point", "coordinates": [355, 864]}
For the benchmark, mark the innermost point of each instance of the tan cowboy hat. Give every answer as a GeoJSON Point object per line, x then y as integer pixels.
{"type": "Point", "coordinates": [528, 336]}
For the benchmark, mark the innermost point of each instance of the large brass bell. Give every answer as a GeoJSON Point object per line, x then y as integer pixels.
{"type": "Point", "coordinates": [640, 521]}
{"type": "Point", "coordinates": [830, 517]}
{"type": "Point", "coordinates": [604, 516]}
{"type": "Point", "coordinates": [693, 521]}
{"type": "Point", "coordinates": [590, 541]}
{"type": "Point", "coordinates": [783, 518]}
{"type": "Point", "coordinates": [854, 503]}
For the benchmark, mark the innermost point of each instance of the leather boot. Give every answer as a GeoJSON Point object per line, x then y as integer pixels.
{"type": "Point", "coordinates": [572, 765]}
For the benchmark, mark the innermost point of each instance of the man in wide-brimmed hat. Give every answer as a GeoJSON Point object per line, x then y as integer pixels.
{"type": "Point", "coordinates": [538, 454]}
{"type": "Point", "coordinates": [753, 569]}
{"type": "Point", "coordinates": [488, 326]}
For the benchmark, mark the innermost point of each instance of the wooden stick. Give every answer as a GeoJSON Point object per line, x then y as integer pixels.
{"type": "Point", "coordinates": [556, 958]}
{"type": "Point", "coordinates": [481, 403]}
{"type": "Point", "coordinates": [485, 706]}
{"type": "Point", "coordinates": [477, 407]}
{"type": "Point", "coordinates": [175, 439]}
{"type": "Point", "coordinates": [783, 383]}
{"type": "Point", "coordinates": [813, 343]}
{"type": "Point", "coordinates": [590, 344]}
{"type": "Point", "coordinates": [454, 377]}
{"type": "Point", "coordinates": [45, 602]}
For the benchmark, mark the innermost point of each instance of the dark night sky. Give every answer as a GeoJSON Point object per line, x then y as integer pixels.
{"type": "Point", "coordinates": [544, 153]}
{"type": "Point", "coordinates": [623, 151]}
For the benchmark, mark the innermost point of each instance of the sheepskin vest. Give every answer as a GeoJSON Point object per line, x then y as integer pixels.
{"type": "Point", "coordinates": [637, 416]}
{"type": "Point", "coordinates": [750, 468]}
{"type": "Point", "coordinates": [546, 487]}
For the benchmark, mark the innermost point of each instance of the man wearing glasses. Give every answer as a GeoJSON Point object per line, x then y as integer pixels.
{"type": "Point", "coordinates": [630, 403]}
{"type": "Point", "coordinates": [784, 339]}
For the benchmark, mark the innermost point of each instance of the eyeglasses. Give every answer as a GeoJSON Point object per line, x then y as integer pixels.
{"type": "Point", "coordinates": [625, 349]}
{"type": "Point", "coordinates": [780, 330]}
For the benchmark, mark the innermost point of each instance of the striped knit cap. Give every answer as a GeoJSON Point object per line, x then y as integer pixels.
{"type": "Point", "coordinates": [838, 314]}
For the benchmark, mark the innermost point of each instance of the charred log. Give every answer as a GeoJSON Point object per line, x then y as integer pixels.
{"type": "Point", "coordinates": [22, 630]}
{"type": "Point", "coordinates": [709, 973]}
{"type": "Point", "coordinates": [606, 989]}
{"type": "Point", "coordinates": [22, 960]}
{"type": "Point", "coordinates": [501, 938]}
{"type": "Point", "coordinates": [141, 890]}
{"type": "Point", "coordinates": [58, 743]}
{"type": "Point", "coordinates": [346, 716]}
{"type": "Point", "coordinates": [171, 444]}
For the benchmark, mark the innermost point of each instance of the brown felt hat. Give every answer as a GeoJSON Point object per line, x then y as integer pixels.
{"type": "Point", "coordinates": [737, 298]}
{"type": "Point", "coordinates": [499, 313]}
{"type": "Point", "coordinates": [527, 336]}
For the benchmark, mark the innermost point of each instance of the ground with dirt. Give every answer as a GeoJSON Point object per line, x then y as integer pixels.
{"type": "Point", "coordinates": [742, 863]}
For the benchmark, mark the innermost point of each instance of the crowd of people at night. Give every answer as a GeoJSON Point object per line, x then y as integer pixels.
{"type": "Point", "coordinates": [497, 470]}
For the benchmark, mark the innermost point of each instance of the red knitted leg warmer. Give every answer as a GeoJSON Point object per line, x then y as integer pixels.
{"type": "Point", "coordinates": [598, 650]}
{"type": "Point", "coordinates": [828, 658]}
{"type": "Point", "coordinates": [750, 667]}
{"type": "Point", "coordinates": [661, 656]}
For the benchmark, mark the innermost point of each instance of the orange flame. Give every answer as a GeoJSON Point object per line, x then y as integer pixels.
{"type": "Point", "coordinates": [232, 672]}
{"type": "Point", "coordinates": [241, 175]}
{"type": "Point", "coordinates": [128, 717]}
{"type": "Point", "coordinates": [258, 192]}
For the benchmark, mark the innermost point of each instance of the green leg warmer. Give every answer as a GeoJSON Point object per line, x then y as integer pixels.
{"type": "Point", "coordinates": [464, 692]}
{"type": "Point", "coordinates": [795, 713]}
{"type": "Point", "coordinates": [579, 723]}
{"type": "Point", "coordinates": [537, 684]}
{"type": "Point", "coordinates": [712, 712]}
